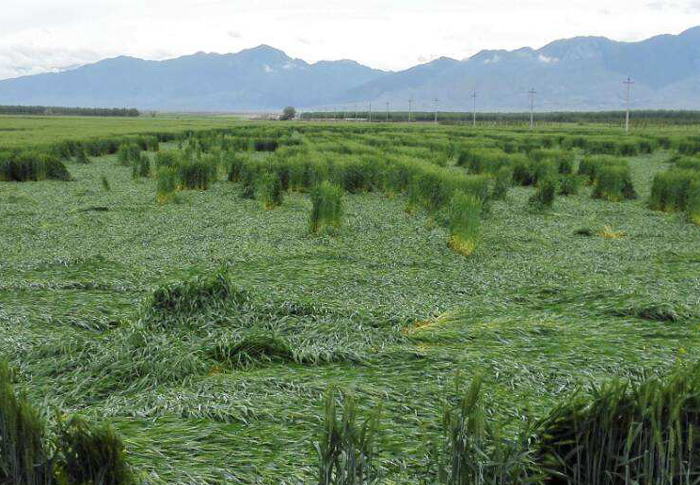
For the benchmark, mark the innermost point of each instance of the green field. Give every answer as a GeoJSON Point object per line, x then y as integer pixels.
{"type": "Point", "coordinates": [550, 300]}
{"type": "Point", "coordinates": [22, 131]}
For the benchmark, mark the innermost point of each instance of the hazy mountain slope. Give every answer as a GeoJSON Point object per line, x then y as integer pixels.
{"type": "Point", "coordinates": [583, 73]}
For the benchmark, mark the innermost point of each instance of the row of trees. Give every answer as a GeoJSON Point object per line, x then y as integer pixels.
{"type": "Point", "coordinates": [50, 110]}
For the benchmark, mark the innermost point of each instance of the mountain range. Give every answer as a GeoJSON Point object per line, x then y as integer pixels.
{"type": "Point", "coordinates": [581, 73]}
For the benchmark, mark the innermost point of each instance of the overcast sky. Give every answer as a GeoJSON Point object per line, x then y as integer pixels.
{"type": "Point", "coordinates": [43, 35]}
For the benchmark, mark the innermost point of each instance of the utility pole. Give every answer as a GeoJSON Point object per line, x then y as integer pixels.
{"type": "Point", "coordinates": [370, 112]}
{"type": "Point", "coordinates": [410, 108]}
{"type": "Point", "coordinates": [532, 93]}
{"type": "Point", "coordinates": [436, 110]}
{"type": "Point", "coordinates": [387, 111]}
{"type": "Point", "coordinates": [474, 111]}
{"type": "Point", "coordinates": [629, 84]}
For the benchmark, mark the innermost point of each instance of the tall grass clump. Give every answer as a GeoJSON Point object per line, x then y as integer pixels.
{"type": "Point", "coordinates": [93, 454]}
{"type": "Point", "coordinates": [270, 191]}
{"type": "Point", "coordinates": [645, 433]}
{"type": "Point", "coordinates": [252, 350]}
{"type": "Point", "coordinates": [167, 158]}
{"type": "Point", "coordinates": [591, 166]}
{"type": "Point", "coordinates": [191, 297]}
{"type": "Point", "coordinates": [465, 223]}
{"type": "Point", "coordinates": [562, 160]}
{"type": "Point", "coordinates": [546, 192]}
{"type": "Point", "coordinates": [686, 163]}
{"type": "Point", "coordinates": [31, 167]}
{"type": "Point", "coordinates": [196, 174]}
{"type": "Point", "coordinates": [569, 184]}
{"type": "Point", "coordinates": [614, 183]}
{"type": "Point", "coordinates": [141, 166]}
{"type": "Point", "coordinates": [502, 182]}
{"type": "Point", "coordinates": [105, 183]}
{"type": "Point", "coordinates": [475, 452]}
{"type": "Point", "coordinates": [327, 207]}
{"type": "Point", "coordinates": [167, 184]}
{"type": "Point", "coordinates": [24, 459]}
{"type": "Point", "coordinates": [670, 190]}
{"type": "Point", "coordinates": [82, 156]}
{"type": "Point", "coordinates": [346, 450]}
{"type": "Point", "coordinates": [127, 153]}
{"type": "Point", "coordinates": [82, 454]}
{"type": "Point", "coordinates": [235, 167]}
{"type": "Point", "coordinates": [693, 208]}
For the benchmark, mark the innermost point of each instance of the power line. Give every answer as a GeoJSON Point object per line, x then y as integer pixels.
{"type": "Point", "coordinates": [532, 93]}
{"type": "Point", "coordinates": [629, 84]}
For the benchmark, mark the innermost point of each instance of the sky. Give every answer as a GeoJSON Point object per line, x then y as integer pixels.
{"type": "Point", "coordinates": [47, 35]}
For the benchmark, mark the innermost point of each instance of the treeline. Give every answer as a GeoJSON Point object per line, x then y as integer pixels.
{"type": "Point", "coordinates": [637, 118]}
{"type": "Point", "coordinates": [52, 110]}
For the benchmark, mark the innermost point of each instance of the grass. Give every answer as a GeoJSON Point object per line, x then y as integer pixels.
{"type": "Point", "coordinates": [327, 208]}
{"type": "Point", "coordinates": [206, 388]}
{"type": "Point", "coordinates": [465, 223]}
{"type": "Point", "coordinates": [643, 433]}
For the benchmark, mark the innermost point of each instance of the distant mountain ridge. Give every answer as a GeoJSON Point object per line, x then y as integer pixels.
{"type": "Point", "coordinates": [581, 73]}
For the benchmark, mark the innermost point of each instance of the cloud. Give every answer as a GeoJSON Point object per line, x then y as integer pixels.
{"type": "Point", "coordinates": [23, 60]}
{"type": "Point", "coordinates": [423, 58]}
{"type": "Point", "coordinates": [234, 34]}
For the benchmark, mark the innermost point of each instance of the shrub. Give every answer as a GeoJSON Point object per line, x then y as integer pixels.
{"type": "Point", "coordinates": [545, 194]}
{"type": "Point", "coordinates": [327, 207]}
{"type": "Point", "coordinates": [614, 183]}
{"type": "Point", "coordinates": [624, 433]}
{"type": "Point", "coordinates": [465, 223]}
{"type": "Point", "coordinates": [289, 113]}
{"type": "Point", "coordinates": [345, 451]}
{"type": "Point", "coordinates": [93, 454]}
{"type": "Point", "coordinates": [270, 190]}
